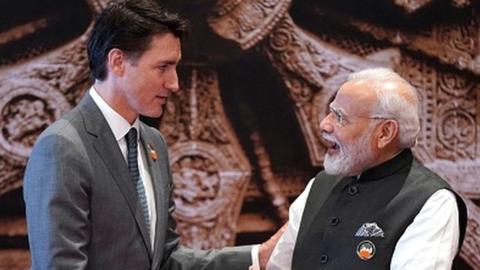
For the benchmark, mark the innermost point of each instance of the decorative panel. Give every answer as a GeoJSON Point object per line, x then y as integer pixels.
{"type": "Point", "coordinates": [311, 48]}
{"type": "Point", "coordinates": [209, 168]}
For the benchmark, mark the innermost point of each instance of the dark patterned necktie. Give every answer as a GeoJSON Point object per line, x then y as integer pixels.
{"type": "Point", "coordinates": [132, 157]}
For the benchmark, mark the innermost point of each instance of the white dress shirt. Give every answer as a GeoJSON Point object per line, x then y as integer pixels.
{"type": "Point", "coordinates": [429, 242]}
{"type": "Point", "coordinates": [120, 128]}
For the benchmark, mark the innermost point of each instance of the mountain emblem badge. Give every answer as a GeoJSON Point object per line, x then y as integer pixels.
{"type": "Point", "coordinates": [366, 250]}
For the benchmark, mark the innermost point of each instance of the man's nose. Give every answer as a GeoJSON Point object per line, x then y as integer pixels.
{"type": "Point", "coordinates": [172, 82]}
{"type": "Point", "coordinates": [326, 125]}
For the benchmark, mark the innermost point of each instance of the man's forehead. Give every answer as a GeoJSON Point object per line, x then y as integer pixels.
{"type": "Point", "coordinates": [342, 99]}
{"type": "Point", "coordinates": [354, 96]}
{"type": "Point", "coordinates": [164, 47]}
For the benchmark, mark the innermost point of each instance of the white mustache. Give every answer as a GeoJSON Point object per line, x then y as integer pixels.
{"type": "Point", "coordinates": [329, 138]}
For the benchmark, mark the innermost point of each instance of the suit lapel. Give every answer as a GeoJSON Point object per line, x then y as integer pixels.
{"type": "Point", "coordinates": [157, 164]}
{"type": "Point", "coordinates": [107, 148]}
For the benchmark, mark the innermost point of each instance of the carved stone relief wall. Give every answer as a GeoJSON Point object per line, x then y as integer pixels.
{"type": "Point", "coordinates": [411, 6]}
{"type": "Point", "coordinates": [210, 171]}
{"type": "Point", "coordinates": [229, 182]}
{"type": "Point", "coordinates": [449, 137]}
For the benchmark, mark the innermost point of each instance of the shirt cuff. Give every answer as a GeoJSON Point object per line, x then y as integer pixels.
{"type": "Point", "coordinates": [255, 261]}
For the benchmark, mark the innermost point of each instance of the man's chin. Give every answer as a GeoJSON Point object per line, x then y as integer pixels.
{"type": "Point", "coordinates": [330, 167]}
{"type": "Point", "coordinates": [335, 172]}
{"type": "Point", "coordinates": [153, 114]}
{"type": "Point", "coordinates": [334, 165]}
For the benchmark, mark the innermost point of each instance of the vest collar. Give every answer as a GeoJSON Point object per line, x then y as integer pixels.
{"type": "Point", "coordinates": [389, 167]}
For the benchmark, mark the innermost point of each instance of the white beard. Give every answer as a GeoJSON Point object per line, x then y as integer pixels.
{"type": "Point", "coordinates": [350, 160]}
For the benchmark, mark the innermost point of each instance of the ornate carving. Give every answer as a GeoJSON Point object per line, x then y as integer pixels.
{"type": "Point", "coordinates": [456, 133]}
{"type": "Point", "coordinates": [461, 3]}
{"type": "Point", "coordinates": [422, 77]}
{"type": "Point", "coordinates": [209, 169]}
{"type": "Point", "coordinates": [15, 259]}
{"type": "Point", "coordinates": [27, 107]}
{"type": "Point", "coordinates": [11, 176]}
{"type": "Point", "coordinates": [455, 44]}
{"type": "Point", "coordinates": [197, 184]}
{"type": "Point", "coordinates": [462, 175]}
{"type": "Point", "coordinates": [97, 5]}
{"type": "Point", "coordinates": [456, 86]}
{"type": "Point", "coordinates": [31, 99]}
{"type": "Point", "coordinates": [449, 139]}
{"type": "Point", "coordinates": [313, 66]}
{"type": "Point", "coordinates": [21, 31]}
{"type": "Point", "coordinates": [208, 194]}
{"type": "Point", "coordinates": [248, 21]}
{"type": "Point", "coordinates": [300, 55]}
{"type": "Point", "coordinates": [449, 130]}
{"type": "Point", "coordinates": [279, 200]}
{"type": "Point", "coordinates": [190, 117]}
{"type": "Point", "coordinates": [411, 6]}
{"type": "Point", "coordinates": [35, 94]}
{"type": "Point", "coordinates": [457, 129]}
{"type": "Point", "coordinates": [292, 184]}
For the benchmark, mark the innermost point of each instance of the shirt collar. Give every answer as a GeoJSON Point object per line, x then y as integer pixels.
{"type": "Point", "coordinates": [119, 125]}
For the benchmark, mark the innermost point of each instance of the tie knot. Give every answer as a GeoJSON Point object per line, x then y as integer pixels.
{"type": "Point", "coordinates": [131, 137]}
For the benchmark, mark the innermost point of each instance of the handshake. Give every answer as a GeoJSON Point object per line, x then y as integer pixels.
{"type": "Point", "coordinates": [266, 248]}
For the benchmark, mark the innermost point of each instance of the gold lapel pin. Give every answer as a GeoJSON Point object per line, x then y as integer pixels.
{"type": "Point", "coordinates": [153, 153]}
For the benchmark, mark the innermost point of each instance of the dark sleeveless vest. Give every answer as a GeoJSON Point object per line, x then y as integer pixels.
{"type": "Point", "coordinates": [390, 195]}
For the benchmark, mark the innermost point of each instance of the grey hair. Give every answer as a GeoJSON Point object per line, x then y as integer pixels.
{"type": "Point", "coordinates": [392, 103]}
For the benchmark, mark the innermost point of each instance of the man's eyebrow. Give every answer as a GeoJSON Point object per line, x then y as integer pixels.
{"type": "Point", "coordinates": [336, 110]}
{"type": "Point", "coordinates": [167, 62]}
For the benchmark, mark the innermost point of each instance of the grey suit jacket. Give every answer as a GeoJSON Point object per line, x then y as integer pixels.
{"type": "Point", "coordinates": [82, 207]}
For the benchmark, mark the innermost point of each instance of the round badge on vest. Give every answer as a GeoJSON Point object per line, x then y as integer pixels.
{"type": "Point", "coordinates": [366, 250]}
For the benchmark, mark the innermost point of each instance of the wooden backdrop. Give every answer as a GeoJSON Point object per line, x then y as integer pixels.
{"type": "Point", "coordinates": [256, 80]}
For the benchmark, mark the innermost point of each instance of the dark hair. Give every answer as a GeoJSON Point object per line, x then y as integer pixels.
{"type": "Point", "coordinates": [129, 25]}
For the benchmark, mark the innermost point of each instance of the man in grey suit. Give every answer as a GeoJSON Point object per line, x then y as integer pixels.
{"type": "Point", "coordinates": [97, 185]}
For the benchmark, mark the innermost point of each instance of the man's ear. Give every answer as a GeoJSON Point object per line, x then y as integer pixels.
{"type": "Point", "coordinates": [388, 132]}
{"type": "Point", "coordinates": [116, 60]}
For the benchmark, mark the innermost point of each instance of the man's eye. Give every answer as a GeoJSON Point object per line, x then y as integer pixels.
{"type": "Point", "coordinates": [162, 68]}
{"type": "Point", "coordinates": [338, 116]}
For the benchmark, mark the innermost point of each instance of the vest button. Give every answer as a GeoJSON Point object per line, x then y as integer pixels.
{"type": "Point", "coordinates": [334, 221]}
{"type": "Point", "coordinates": [323, 258]}
{"type": "Point", "coordinates": [352, 190]}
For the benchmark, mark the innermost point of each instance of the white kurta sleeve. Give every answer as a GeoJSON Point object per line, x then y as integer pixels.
{"type": "Point", "coordinates": [431, 241]}
{"type": "Point", "coordinates": [281, 258]}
